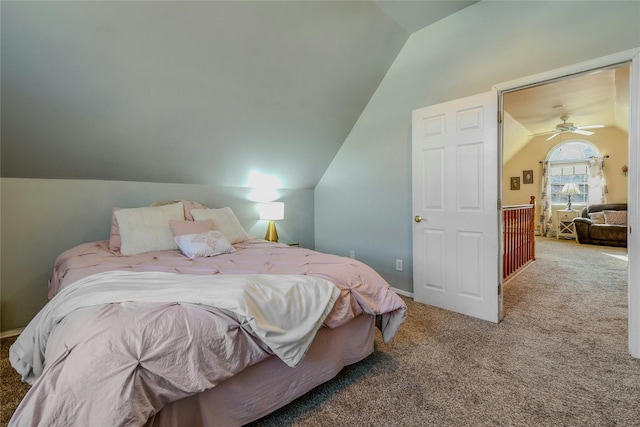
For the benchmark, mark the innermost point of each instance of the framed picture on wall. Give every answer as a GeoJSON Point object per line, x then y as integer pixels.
{"type": "Point", "coordinates": [527, 177]}
{"type": "Point", "coordinates": [515, 182]}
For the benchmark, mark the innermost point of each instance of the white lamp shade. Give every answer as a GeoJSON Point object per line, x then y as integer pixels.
{"type": "Point", "coordinates": [570, 189]}
{"type": "Point", "coordinates": [272, 211]}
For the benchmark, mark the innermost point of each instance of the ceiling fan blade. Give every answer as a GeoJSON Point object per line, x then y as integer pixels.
{"type": "Point", "coordinates": [553, 136]}
{"type": "Point", "coordinates": [590, 127]}
{"type": "Point", "coordinates": [582, 132]}
{"type": "Point", "coordinates": [543, 133]}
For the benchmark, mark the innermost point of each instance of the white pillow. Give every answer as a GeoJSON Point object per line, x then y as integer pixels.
{"type": "Point", "coordinates": [147, 229]}
{"type": "Point", "coordinates": [205, 244]}
{"type": "Point", "coordinates": [225, 221]}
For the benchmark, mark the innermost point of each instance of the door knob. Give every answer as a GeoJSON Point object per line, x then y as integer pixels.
{"type": "Point", "coordinates": [417, 218]}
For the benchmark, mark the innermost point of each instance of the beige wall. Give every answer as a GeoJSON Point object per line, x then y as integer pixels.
{"type": "Point", "coordinates": [610, 141]}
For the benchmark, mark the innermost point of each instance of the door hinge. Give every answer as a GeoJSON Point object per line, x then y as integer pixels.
{"type": "Point", "coordinates": [499, 204]}
{"type": "Point", "coordinates": [499, 288]}
{"type": "Point", "coordinates": [499, 117]}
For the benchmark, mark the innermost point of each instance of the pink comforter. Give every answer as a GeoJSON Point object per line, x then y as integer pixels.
{"type": "Point", "coordinates": [362, 289]}
{"type": "Point", "coordinates": [120, 363]}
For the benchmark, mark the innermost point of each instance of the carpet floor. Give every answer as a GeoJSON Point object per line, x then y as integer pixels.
{"type": "Point", "coordinates": [559, 358]}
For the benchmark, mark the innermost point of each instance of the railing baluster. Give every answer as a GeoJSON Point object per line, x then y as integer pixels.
{"type": "Point", "coordinates": [518, 237]}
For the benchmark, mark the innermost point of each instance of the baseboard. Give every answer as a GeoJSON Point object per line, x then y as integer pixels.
{"type": "Point", "coordinates": [11, 333]}
{"type": "Point", "coordinates": [401, 292]}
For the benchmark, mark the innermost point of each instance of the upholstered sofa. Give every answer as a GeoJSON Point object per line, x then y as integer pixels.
{"type": "Point", "coordinates": [593, 228]}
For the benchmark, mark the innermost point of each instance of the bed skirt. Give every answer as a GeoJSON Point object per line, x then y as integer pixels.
{"type": "Point", "coordinates": [271, 384]}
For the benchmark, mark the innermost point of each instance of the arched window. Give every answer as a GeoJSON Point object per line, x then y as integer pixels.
{"type": "Point", "coordinates": [569, 163]}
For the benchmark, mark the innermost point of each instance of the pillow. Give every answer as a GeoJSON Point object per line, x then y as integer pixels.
{"type": "Point", "coordinates": [114, 235]}
{"type": "Point", "coordinates": [188, 205]}
{"type": "Point", "coordinates": [615, 217]}
{"type": "Point", "coordinates": [147, 229]}
{"type": "Point", "coordinates": [205, 244]}
{"type": "Point", "coordinates": [597, 217]}
{"type": "Point", "coordinates": [164, 203]}
{"type": "Point", "coordinates": [180, 228]}
{"type": "Point", "coordinates": [225, 221]}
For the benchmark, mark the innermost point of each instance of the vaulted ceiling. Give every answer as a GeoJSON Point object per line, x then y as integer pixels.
{"type": "Point", "coordinates": [193, 92]}
{"type": "Point", "coordinates": [600, 97]}
{"type": "Point", "coordinates": [209, 92]}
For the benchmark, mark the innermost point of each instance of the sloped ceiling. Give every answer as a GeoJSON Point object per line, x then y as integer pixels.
{"type": "Point", "coordinates": [600, 97]}
{"type": "Point", "coordinates": [192, 92]}
{"type": "Point", "coordinates": [414, 15]}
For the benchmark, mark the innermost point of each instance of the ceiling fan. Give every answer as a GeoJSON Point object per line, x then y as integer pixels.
{"type": "Point", "coordinates": [568, 127]}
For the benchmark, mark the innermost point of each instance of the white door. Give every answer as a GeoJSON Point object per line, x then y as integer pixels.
{"type": "Point", "coordinates": [455, 203]}
{"type": "Point", "coordinates": [633, 244]}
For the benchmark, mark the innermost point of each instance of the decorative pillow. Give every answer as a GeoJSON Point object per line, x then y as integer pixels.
{"type": "Point", "coordinates": [225, 221]}
{"type": "Point", "coordinates": [180, 228]}
{"type": "Point", "coordinates": [597, 217]}
{"type": "Point", "coordinates": [205, 244]}
{"type": "Point", "coordinates": [615, 217]}
{"type": "Point", "coordinates": [147, 229]}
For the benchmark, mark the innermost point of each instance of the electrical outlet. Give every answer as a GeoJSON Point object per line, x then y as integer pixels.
{"type": "Point", "coordinates": [352, 254]}
{"type": "Point", "coordinates": [399, 264]}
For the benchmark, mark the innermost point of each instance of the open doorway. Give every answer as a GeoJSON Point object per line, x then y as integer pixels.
{"type": "Point", "coordinates": [434, 138]}
{"type": "Point", "coordinates": [591, 107]}
{"type": "Point", "coordinates": [547, 117]}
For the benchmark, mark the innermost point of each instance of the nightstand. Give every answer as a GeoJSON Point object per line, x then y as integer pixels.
{"type": "Point", "coordinates": [566, 228]}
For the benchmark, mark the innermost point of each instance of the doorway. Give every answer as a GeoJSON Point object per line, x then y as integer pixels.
{"type": "Point", "coordinates": [453, 121]}
{"type": "Point", "coordinates": [615, 64]}
{"type": "Point", "coordinates": [592, 107]}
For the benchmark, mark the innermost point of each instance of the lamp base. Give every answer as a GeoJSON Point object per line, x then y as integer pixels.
{"type": "Point", "coordinates": [272, 233]}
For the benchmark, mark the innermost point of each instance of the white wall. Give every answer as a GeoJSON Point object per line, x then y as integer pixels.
{"type": "Point", "coordinates": [43, 217]}
{"type": "Point", "coordinates": [363, 201]}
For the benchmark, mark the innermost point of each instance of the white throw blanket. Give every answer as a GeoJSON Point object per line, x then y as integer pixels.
{"type": "Point", "coordinates": [282, 311]}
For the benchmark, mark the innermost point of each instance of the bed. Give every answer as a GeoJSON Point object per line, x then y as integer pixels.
{"type": "Point", "coordinates": [181, 318]}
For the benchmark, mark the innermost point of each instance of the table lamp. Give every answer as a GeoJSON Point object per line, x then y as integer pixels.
{"type": "Point", "coordinates": [272, 211]}
{"type": "Point", "coordinates": [569, 189]}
